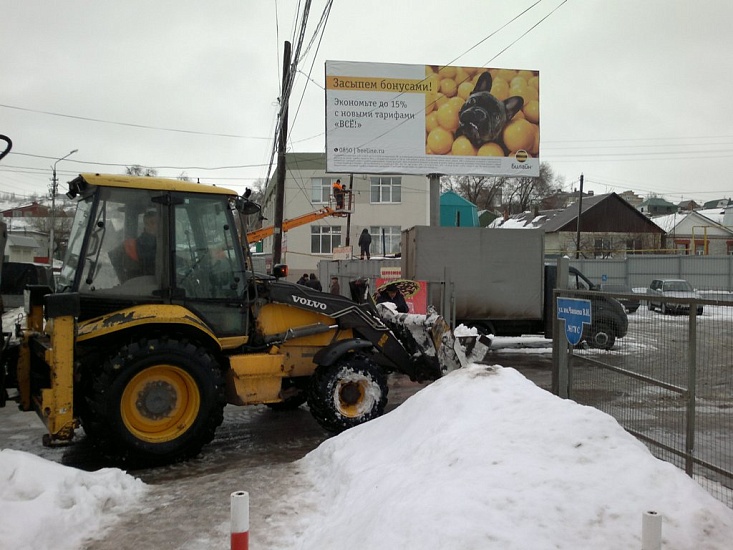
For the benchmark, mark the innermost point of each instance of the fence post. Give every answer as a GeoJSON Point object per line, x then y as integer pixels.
{"type": "Point", "coordinates": [560, 346]}
{"type": "Point", "coordinates": [691, 389]}
{"type": "Point", "coordinates": [240, 520]}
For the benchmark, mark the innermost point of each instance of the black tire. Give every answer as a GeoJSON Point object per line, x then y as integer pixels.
{"type": "Point", "coordinates": [600, 335]}
{"type": "Point", "coordinates": [347, 393]}
{"type": "Point", "coordinates": [651, 307]}
{"type": "Point", "coordinates": [294, 392]}
{"type": "Point", "coordinates": [156, 401]}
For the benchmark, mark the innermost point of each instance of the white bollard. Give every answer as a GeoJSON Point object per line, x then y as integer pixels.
{"type": "Point", "coordinates": [651, 531]}
{"type": "Point", "coordinates": [240, 520]}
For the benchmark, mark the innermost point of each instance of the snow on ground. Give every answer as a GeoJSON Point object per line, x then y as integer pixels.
{"type": "Point", "coordinates": [44, 505]}
{"type": "Point", "coordinates": [482, 458]}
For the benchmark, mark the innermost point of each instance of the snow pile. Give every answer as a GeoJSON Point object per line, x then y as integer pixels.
{"type": "Point", "coordinates": [47, 505]}
{"type": "Point", "coordinates": [483, 458]}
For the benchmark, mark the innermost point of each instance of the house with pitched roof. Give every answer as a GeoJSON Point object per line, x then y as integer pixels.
{"type": "Point", "coordinates": [609, 228]}
{"type": "Point", "coordinates": [657, 206]}
{"type": "Point", "coordinates": [694, 233]}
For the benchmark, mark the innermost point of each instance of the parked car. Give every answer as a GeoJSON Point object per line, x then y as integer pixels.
{"type": "Point", "coordinates": [630, 304]}
{"type": "Point", "coordinates": [671, 288]}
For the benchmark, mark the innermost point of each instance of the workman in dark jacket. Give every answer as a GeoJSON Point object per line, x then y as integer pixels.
{"type": "Point", "coordinates": [314, 283]}
{"type": "Point", "coordinates": [392, 294]}
{"type": "Point", "coordinates": [365, 241]}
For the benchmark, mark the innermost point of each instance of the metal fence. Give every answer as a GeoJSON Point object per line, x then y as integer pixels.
{"type": "Point", "coordinates": [669, 382]}
{"type": "Point", "coordinates": [708, 273]}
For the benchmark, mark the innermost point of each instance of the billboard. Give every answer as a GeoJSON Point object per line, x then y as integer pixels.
{"type": "Point", "coordinates": [427, 119]}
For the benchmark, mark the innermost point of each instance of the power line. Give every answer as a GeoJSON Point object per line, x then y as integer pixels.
{"type": "Point", "coordinates": [132, 125]}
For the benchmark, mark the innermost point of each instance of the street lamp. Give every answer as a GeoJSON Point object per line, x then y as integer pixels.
{"type": "Point", "coordinates": [54, 189]}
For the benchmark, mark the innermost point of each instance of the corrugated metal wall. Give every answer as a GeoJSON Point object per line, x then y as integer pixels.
{"type": "Point", "coordinates": [703, 272]}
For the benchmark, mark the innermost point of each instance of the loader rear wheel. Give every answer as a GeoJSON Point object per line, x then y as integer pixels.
{"type": "Point", "coordinates": [158, 401]}
{"type": "Point", "coordinates": [347, 393]}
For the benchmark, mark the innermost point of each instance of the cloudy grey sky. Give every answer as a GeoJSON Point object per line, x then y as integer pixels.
{"type": "Point", "coordinates": [635, 94]}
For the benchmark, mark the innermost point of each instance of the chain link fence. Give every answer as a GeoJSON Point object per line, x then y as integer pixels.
{"type": "Point", "coordinates": [669, 381]}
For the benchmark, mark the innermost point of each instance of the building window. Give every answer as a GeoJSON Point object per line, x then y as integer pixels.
{"type": "Point", "coordinates": [324, 238]}
{"type": "Point", "coordinates": [633, 246]}
{"type": "Point", "coordinates": [602, 248]}
{"type": "Point", "coordinates": [386, 190]}
{"type": "Point", "coordinates": [699, 249]}
{"type": "Point", "coordinates": [682, 247]}
{"type": "Point", "coordinates": [321, 190]}
{"type": "Point", "coordinates": [385, 239]}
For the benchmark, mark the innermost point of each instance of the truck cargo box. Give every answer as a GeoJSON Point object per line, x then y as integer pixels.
{"type": "Point", "coordinates": [497, 273]}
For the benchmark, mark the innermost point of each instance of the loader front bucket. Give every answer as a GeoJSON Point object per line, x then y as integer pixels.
{"type": "Point", "coordinates": [430, 335]}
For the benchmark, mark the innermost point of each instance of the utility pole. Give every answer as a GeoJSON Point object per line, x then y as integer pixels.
{"type": "Point", "coordinates": [277, 241]}
{"type": "Point", "coordinates": [580, 211]}
{"type": "Point", "coordinates": [348, 216]}
{"type": "Point", "coordinates": [54, 191]}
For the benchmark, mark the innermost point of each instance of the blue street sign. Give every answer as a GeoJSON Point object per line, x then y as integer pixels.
{"type": "Point", "coordinates": [576, 313]}
{"type": "Point", "coordinates": [604, 278]}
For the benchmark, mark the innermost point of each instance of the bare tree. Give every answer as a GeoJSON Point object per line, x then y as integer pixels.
{"type": "Point", "coordinates": [524, 192]}
{"type": "Point", "coordinates": [485, 192]}
{"type": "Point", "coordinates": [514, 194]}
{"type": "Point", "coordinates": [258, 191]}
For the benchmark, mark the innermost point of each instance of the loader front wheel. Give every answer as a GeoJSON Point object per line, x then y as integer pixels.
{"type": "Point", "coordinates": [347, 393]}
{"type": "Point", "coordinates": [157, 401]}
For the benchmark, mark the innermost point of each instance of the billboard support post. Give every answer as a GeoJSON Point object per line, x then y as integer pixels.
{"type": "Point", "coordinates": [434, 200]}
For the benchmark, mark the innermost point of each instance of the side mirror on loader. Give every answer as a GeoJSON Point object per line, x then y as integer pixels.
{"type": "Point", "coordinates": [280, 271]}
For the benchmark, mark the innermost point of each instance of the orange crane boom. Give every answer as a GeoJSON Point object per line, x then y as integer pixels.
{"type": "Point", "coordinates": [263, 232]}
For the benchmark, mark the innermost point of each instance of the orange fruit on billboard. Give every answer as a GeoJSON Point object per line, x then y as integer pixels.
{"type": "Point", "coordinates": [531, 111]}
{"type": "Point", "coordinates": [448, 117]}
{"type": "Point", "coordinates": [490, 150]}
{"type": "Point", "coordinates": [431, 122]}
{"type": "Point", "coordinates": [440, 141]}
{"type": "Point", "coordinates": [519, 134]}
{"type": "Point", "coordinates": [462, 147]}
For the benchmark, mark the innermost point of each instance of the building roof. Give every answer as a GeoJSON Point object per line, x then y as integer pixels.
{"type": "Point", "coordinates": [606, 210]}
{"type": "Point", "coordinates": [657, 201]}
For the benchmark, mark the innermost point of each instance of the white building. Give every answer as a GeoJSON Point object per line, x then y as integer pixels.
{"type": "Point", "coordinates": [383, 204]}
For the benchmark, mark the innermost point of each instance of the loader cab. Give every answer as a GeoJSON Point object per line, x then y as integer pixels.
{"type": "Point", "coordinates": [151, 241]}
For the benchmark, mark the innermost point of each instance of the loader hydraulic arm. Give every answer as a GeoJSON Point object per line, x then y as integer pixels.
{"type": "Point", "coordinates": [263, 232]}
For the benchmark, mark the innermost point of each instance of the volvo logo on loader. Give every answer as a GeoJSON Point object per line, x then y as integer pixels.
{"type": "Point", "coordinates": [308, 302]}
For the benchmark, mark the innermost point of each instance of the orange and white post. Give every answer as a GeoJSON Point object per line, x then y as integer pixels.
{"type": "Point", "coordinates": [240, 520]}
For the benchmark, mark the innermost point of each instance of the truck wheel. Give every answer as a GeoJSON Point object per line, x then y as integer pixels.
{"type": "Point", "coordinates": [601, 336]}
{"type": "Point", "coordinates": [347, 393]}
{"type": "Point", "coordinates": [158, 401]}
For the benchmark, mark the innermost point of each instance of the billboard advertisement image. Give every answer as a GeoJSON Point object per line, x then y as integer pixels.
{"type": "Point", "coordinates": [428, 119]}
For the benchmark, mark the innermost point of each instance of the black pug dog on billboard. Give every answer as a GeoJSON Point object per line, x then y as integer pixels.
{"type": "Point", "coordinates": [483, 117]}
